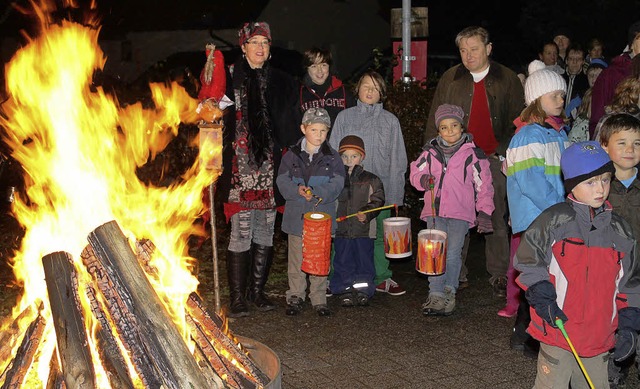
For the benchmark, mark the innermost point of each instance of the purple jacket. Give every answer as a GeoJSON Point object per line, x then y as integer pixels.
{"type": "Point", "coordinates": [462, 188]}
{"type": "Point", "coordinates": [603, 90]}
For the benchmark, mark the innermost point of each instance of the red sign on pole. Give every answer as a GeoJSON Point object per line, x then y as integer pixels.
{"type": "Point", "coordinates": [418, 65]}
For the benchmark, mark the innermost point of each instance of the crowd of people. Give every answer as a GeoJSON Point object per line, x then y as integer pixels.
{"type": "Point", "coordinates": [543, 163]}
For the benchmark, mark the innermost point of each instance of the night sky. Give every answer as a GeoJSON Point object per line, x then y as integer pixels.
{"type": "Point", "coordinates": [517, 27]}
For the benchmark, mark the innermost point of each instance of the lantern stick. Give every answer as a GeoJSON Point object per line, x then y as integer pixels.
{"type": "Point", "coordinates": [573, 350]}
{"type": "Point", "coordinates": [433, 200]}
{"type": "Point", "coordinates": [342, 218]}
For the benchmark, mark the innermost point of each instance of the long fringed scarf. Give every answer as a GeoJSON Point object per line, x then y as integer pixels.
{"type": "Point", "coordinates": [259, 130]}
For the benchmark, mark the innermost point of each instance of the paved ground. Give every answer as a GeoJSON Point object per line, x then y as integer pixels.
{"type": "Point", "coordinates": [390, 344]}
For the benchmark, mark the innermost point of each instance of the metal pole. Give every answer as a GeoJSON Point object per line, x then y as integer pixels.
{"type": "Point", "coordinates": [406, 40]}
{"type": "Point", "coordinates": [214, 247]}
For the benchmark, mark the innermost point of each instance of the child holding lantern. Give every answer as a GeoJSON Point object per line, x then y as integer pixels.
{"type": "Point", "coordinates": [455, 174]}
{"type": "Point", "coordinates": [353, 268]}
{"type": "Point", "coordinates": [310, 178]}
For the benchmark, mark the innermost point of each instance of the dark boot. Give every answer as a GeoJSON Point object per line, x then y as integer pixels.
{"type": "Point", "coordinates": [237, 271]}
{"type": "Point", "coordinates": [261, 264]}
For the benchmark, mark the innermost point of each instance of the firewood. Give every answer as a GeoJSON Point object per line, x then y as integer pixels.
{"type": "Point", "coordinates": [208, 360]}
{"type": "Point", "coordinates": [110, 355]}
{"type": "Point", "coordinates": [68, 321]}
{"type": "Point", "coordinates": [13, 376]}
{"type": "Point", "coordinates": [214, 360]}
{"type": "Point", "coordinates": [212, 325]}
{"type": "Point", "coordinates": [206, 330]}
{"type": "Point", "coordinates": [160, 337]}
{"type": "Point", "coordinates": [10, 331]}
{"type": "Point", "coordinates": [55, 380]}
{"type": "Point", "coordinates": [125, 323]}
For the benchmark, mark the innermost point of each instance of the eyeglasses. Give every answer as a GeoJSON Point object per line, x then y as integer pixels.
{"type": "Point", "coordinates": [257, 43]}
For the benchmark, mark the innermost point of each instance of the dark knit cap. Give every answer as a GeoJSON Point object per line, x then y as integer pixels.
{"type": "Point", "coordinates": [251, 29]}
{"type": "Point", "coordinates": [583, 160]}
{"type": "Point", "coordinates": [351, 142]}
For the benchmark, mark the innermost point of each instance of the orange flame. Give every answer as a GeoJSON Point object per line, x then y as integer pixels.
{"type": "Point", "coordinates": [80, 151]}
{"type": "Point", "coordinates": [397, 242]}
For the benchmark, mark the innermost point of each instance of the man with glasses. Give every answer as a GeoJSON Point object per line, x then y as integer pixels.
{"type": "Point", "coordinates": [577, 81]}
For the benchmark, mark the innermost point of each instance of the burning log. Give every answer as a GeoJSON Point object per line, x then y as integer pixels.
{"type": "Point", "coordinates": [9, 332]}
{"type": "Point", "coordinates": [210, 355]}
{"type": "Point", "coordinates": [125, 322]}
{"type": "Point", "coordinates": [68, 321]}
{"type": "Point", "coordinates": [207, 330]}
{"type": "Point", "coordinates": [17, 370]}
{"type": "Point", "coordinates": [55, 380]}
{"type": "Point", "coordinates": [212, 325]}
{"type": "Point", "coordinates": [159, 336]}
{"type": "Point", "coordinates": [108, 349]}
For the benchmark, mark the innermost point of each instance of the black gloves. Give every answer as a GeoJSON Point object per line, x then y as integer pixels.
{"type": "Point", "coordinates": [542, 297]}
{"type": "Point", "coordinates": [627, 335]}
{"type": "Point", "coordinates": [484, 223]}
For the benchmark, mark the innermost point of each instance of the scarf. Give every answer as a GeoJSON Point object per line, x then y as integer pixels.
{"type": "Point", "coordinates": [255, 114]}
{"type": "Point", "coordinates": [447, 149]}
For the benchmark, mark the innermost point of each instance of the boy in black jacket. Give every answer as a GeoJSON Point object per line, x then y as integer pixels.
{"type": "Point", "coordinates": [353, 268]}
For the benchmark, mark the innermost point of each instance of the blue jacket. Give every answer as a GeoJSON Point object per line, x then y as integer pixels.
{"type": "Point", "coordinates": [534, 181]}
{"type": "Point", "coordinates": [324, 174]}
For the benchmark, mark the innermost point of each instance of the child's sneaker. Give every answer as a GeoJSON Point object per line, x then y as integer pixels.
{"type": "Point", "coordinates": [322, 310]}
{"type": "Point", "coordinates": [449, 301]}
{"type": "Point", "coordinates": [391, 287]}
{"type": "Point", "coordinates": [434, 306]}
{"type": "Point", "coordinates": [362, 299]}
{"type": "Point", "coordinates": [346, 300]}
{"type": "Point", "coordinates": [294, 306]}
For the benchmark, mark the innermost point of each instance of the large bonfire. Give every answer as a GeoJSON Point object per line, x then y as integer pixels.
{"type": "Point", "coordinates": [80, 150]}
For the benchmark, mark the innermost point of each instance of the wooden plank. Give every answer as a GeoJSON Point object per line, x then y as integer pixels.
{"type": "Point", "coordinates": [68, 321]}
{"type": "Point", "coordinates": [160, 337]}
{"type": "Point", "coordinates": [123, 320]}
{"type": "Point", "coordinates": [17, 370]}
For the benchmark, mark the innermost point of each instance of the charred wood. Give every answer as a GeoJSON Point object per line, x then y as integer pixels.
{"type": "Point", "coordinates": [125, 323]}
{"type": "Point", "coordinates": [17, 370]}
{"type": "Point", "coordinates": [212, 326]}
{"type": "Point", "coordinates": [160, 337]}
{"type": "Point", "coordinates": [68, 321]}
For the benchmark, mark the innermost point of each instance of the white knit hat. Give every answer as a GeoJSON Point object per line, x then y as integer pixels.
{"type": "Point", "coordinates": [540, 81]}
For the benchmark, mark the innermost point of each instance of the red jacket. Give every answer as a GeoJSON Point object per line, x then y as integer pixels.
{"type": "Point", "coordinates": [589, 258]}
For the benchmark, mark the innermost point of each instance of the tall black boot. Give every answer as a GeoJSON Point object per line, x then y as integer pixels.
{"type": "Point", "coordinates": [260, 266]}
{"type": "Point", "coordinates": [237, 272]}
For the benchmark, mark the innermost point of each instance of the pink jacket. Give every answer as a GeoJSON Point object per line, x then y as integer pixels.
{"type": "Point", "coordinates": [462, 187]}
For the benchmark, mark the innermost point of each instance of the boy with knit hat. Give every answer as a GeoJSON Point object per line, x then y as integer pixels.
{"type": "Point", "coordinates": [454, 172]}
{"type": "Point", "coordinates": [353, 268]}
{"type": "Point", "coordinates": [577, 264]}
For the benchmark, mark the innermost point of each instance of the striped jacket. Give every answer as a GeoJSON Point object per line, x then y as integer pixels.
{"type": "Point", "coordinates": [534, 181]}
{"type": "Point", "coordinates": [462, 186]}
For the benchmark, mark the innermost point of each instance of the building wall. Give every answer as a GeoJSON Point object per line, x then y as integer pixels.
{"type": "Point", "coordinates": [351, 29]}
{"type": "Point", "coordinates": [128, 58]}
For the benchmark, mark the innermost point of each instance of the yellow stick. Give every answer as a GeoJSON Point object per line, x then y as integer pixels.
{"type": "Point", "coordinates": [342, 218]}
{"type": "Point", "coordinates": [573, 350]}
